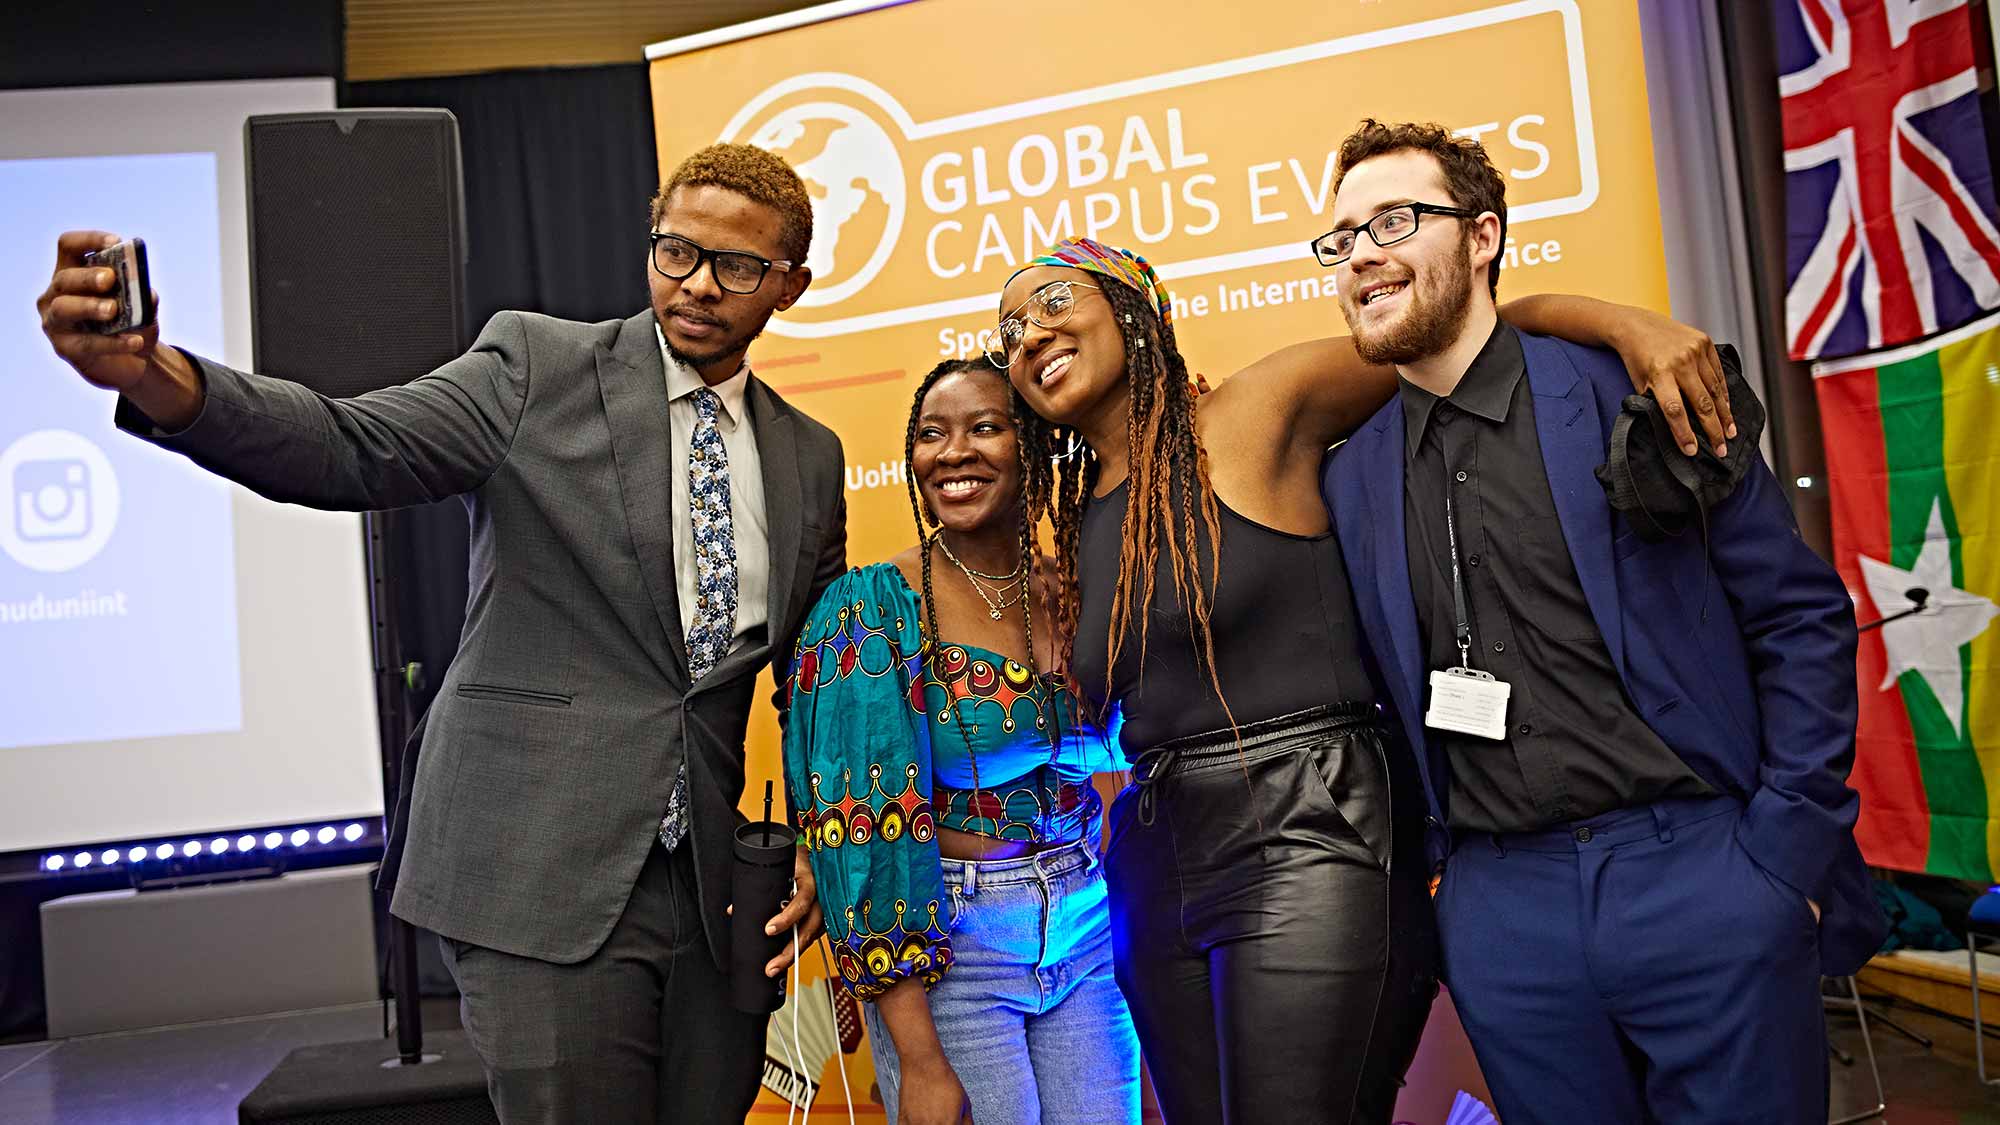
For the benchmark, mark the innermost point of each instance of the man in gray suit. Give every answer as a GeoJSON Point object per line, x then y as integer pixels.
{"type": "Point", "coordinates": [650, 523]}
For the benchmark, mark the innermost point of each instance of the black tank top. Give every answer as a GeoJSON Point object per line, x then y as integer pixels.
{"type": "Point", "coordinates": [1283, 623]}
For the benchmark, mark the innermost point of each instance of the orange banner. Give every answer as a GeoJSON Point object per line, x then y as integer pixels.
{"type": "Point", "coordinates": [946, 141]}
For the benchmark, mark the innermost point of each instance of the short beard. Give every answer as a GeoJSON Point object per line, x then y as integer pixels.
{"type": "Point", "coordinates": [1436, 316]}
{"type": "Point", "coordinates": [695, 361]}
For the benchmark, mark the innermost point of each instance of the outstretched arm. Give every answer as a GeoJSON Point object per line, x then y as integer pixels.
{"type": "Point", "coordinates": [441, 435]}
{"type": "Point", "coordinates": [1327, 389]}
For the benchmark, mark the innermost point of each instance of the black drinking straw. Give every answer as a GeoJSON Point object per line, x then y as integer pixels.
{"type": "Point", "coordinates": [767, 813]}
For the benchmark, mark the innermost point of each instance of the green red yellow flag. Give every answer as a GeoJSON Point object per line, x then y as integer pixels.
{"type": "Point", "coordinates": [1913, 466]}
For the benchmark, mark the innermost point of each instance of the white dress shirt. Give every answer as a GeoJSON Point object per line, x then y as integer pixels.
{"type": "Point", "coordinates": [748, 522]}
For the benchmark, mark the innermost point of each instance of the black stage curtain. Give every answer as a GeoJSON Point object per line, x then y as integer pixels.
{"type": "Point", "coordinates": [559, 169]}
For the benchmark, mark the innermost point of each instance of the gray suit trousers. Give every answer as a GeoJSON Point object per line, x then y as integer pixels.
{"type": "Point", "coordinates": [640, 1032]}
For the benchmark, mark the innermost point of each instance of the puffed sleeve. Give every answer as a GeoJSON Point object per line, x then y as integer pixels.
{"type": "Point", "coordinates": [858, 764]}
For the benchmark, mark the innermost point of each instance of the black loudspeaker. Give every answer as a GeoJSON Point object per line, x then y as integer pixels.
{"type": "Point", "coordinates": [357, 256]}
{"type": "Point", "coordinates": [357, 246]}
{"type": "Point", "coordinates": [316, 1086]}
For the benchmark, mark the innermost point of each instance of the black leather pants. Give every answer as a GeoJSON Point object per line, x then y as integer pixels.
{"type": "Point", "coordinates": [1271, 923]}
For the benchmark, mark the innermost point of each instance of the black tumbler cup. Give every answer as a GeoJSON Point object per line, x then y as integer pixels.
{"type": "Point", "coordinates": [759, 883]}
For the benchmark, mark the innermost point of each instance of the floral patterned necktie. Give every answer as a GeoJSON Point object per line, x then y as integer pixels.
{"type": "Point", "coordinates": [714, 626]}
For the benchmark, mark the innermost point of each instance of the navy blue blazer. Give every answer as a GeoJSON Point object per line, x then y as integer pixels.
{"type": "Point", "coordinates": [1740, 656]}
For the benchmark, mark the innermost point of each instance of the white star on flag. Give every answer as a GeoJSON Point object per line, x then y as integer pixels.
{"type": "Point", "coordinates": [1927, 643]}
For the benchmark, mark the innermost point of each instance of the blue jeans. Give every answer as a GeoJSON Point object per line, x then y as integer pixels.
{"type": "Point", "coordinates": [1029, 1014]}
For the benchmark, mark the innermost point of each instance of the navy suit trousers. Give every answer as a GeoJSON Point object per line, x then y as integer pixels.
{"type": "Point", "coordinates": [1635, 967]}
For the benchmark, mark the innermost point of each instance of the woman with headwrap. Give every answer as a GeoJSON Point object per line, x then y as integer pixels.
{"type": "Point", "coordinates": [1269, 913]}
{"type": "Point", "coordinates": [941, 774]}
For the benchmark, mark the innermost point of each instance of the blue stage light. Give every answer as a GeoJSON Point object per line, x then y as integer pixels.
{"type": "Point", "coordinates": [349, 834]}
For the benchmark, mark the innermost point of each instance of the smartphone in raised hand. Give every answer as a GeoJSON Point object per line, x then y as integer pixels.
{"type": "Point", "coordinates": [131, 287]}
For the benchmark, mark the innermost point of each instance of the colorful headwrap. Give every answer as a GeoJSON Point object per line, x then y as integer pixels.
{"type": "Point", "coordinates": [1110, 261]}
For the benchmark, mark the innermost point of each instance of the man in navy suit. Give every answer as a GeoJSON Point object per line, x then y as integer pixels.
{"type": "Point", "coordinates": [1634, 754]}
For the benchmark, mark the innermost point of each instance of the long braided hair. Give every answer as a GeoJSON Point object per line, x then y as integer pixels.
{"type": "Point", "coordinates": [928, 530]}
{"type": "Point", "coordinates": [1167, 478]}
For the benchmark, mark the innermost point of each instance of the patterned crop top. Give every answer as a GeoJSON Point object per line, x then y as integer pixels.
{"type": "Point", "coordinates": [1000, 774]}
{"type": "Point", "coordinates": [876, 761]}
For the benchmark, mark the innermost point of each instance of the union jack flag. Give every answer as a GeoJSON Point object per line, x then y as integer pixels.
{"type": "Point", "coordinates": [1888, 174]}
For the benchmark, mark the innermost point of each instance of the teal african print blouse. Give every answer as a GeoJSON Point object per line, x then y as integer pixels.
{"type": "Point", "coordinates": [878, 758]}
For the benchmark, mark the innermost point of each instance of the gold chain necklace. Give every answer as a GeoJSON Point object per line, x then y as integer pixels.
{"type": "Point", "coordinates": [998, 600]}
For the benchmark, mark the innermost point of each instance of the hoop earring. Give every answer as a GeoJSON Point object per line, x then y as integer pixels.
{"type": "Point", "coordinates": [1074, 448]}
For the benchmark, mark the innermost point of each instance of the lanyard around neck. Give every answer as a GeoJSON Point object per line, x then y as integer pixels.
{"type": "Point", "coordinates": [1462, 626]}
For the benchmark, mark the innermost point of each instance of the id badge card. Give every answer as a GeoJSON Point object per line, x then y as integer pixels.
{"type": "Point", "coordinates": [1468, 701]}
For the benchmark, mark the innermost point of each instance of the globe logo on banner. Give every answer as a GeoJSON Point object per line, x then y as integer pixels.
{"type": "Point", "coordinates": [855, 178]}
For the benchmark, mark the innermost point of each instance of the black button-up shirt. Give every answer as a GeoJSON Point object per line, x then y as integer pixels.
{"type": "Point", "coordinates": [1575, 747]}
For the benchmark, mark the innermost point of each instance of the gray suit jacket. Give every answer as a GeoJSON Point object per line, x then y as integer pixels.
{"type": "Point", "coordinates": [558, 730]}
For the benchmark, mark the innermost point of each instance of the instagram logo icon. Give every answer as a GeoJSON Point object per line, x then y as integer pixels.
{"type": "Point", "coordinates": [52, 500]}
{"type": "Point", "coordinates": [61, 497]}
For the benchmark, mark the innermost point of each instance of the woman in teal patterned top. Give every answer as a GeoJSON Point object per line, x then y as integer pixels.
{"type": "Point", "coordinates": [944, 792]}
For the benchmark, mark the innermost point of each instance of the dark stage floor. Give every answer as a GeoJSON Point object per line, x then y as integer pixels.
{"type": "Point", "coordinates": [192, 1075]}
{"type": "Point", "coordinates": [195, 1075]}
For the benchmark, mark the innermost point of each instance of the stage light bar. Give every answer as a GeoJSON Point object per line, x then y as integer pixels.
{"type": "Point", "coordinates": [309, 837]}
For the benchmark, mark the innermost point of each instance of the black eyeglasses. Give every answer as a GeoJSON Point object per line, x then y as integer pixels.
{"type": "Point", "coordinates": [737, 272]}
{"type": "Point", "coordinates": [1387, 228]}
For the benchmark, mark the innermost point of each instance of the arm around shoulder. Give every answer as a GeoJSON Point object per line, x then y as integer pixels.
{"type": "Point", "coordinates": [1322, 388]}
{"type": "Point", "coordinates": [1676, 362]}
